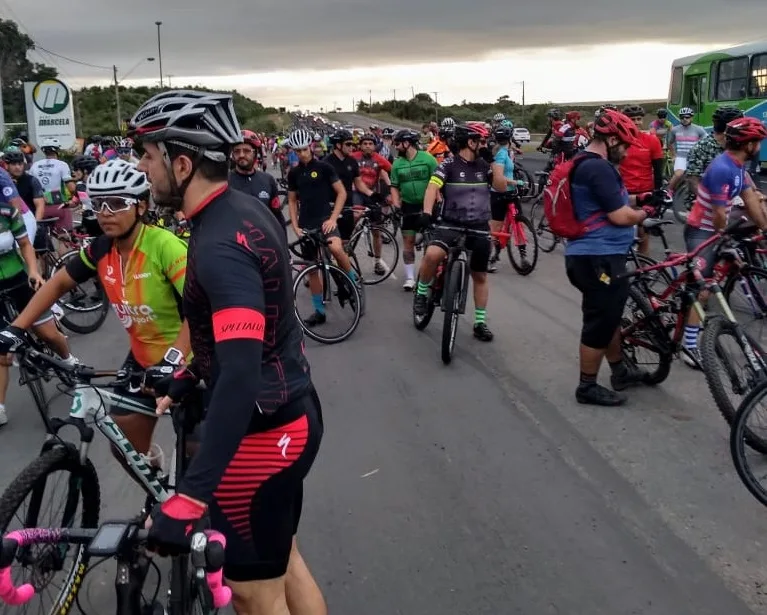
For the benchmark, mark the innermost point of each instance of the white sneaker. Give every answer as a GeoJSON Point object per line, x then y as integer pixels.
{"type": "Point", "coordinates": [409, 284]}
{"type": "Point", "coordinates": [71, 360]}
{"type": "Point", "coordinates": [3, 417]}
{"type": "Point", "coordinates": [57, 310]}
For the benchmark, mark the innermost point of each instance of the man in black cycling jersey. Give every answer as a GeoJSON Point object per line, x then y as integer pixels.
{"type": "Point", "coordinates": [264, 424]}
{"type": "Point", "coordinates": [247, 178]}
{"type": "Point", "coordinates": [464, 180]}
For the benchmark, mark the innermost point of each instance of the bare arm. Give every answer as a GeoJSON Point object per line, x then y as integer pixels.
{"type": "Point", "coordinates": [430, 198]}
{"type": "Point", "coordinates": [338, 186]}
{"type": "Point", "coordinates": [626, 216]}
{"type": "Point", "coordinates": [293, 211]}
{"type": "Point", "coordinates": [39, 203]}
{"type": "Point", "coordinates": [752, 199]}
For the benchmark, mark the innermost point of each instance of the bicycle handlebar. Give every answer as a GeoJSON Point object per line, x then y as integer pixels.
{"type": "Point", "coordinates": [206, 551]}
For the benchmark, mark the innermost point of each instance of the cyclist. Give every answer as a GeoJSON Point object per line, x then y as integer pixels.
{"type": "Point", "coordinates": [660, 127]}
{"type": "Point", "coordinates": [374, 168]}
{"type": "Point", "coordinates": [18, 284]}
{"type": "Point", "coordinates": [563, 138]}
{"type": "Point", "coordinates": [642, 168]}
{"type": "Point", "coordinates": [247, 178]}
{"type": "Point", "coordinates": [681, 138]}
{"type": "Point", "coordinates": [496, 121]}
{"type": "Point", "coordinates": [315, 184]}
{"type": "Point", "coordinates": [385, 147]}
{"type": "Point", "coordinates": [82, 167]}
{"type": "Point", "coordinates": [410, 175]}
{"type": "Point", "coordinates": [724, 179]}
{"type": "Point", "coordinates": [464, 181]}
{"type": "Point", "coordinates": [438, 147]}
{"type": "Point", "coordinates": [264, 414]}
{"type": "Point", "coordinates": [29, 188]}
{"type": "Point", "coordinates": [595, 260]}
{"type": "Point", "coordinates": [55, 177]}
{"type": "Point", "coordinates": [503, 164]}
{"type": "Point", "coordinates": [555, 120]}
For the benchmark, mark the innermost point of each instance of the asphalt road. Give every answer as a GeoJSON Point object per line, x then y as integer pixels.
{"type": "Point", "coordinates": [483, 487]}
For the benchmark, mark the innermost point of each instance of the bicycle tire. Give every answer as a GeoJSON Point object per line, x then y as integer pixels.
{"type": "Point", "coordinates": [451, 300]}
{"type": "Point", "coordinates": [335, 273]}
{"type": "Point", "coordinates": [102, 307]}
{"type": "Point", "coordinates": [716, 326]}
{"type": "Point", "coordinates": [662, 275]}
{"type": "Point", "coordinates": [33, 477]}
{"type": "Point", "coordinates": [424, 321]}
{"type": "Point", "coordinates": [361, 287]}
{"type": "Point", "coordinates": [679, 204]}
{"type": "Point", "coordinates": [518, 266]}
{"type": "Point", "coordinates": [729, 285]}
{"type": "Point", "coordinates": [387, 238]}
{"type": "Point", "coordinates": [741, 435]}
{"type": "Point", "coordinates": [652, 330]}
{"type": "Point", "coordinates": [547, 240]}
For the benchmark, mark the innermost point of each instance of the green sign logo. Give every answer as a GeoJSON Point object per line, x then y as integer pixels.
{"type": "Point", "coordinates": [50, 96]}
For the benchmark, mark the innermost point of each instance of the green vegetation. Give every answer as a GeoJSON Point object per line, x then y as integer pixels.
{"type": "Point", "coordinates": [422, 108]}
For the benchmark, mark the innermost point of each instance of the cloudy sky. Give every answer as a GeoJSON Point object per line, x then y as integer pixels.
{"type": "Point", "coordinates": [320, 53]}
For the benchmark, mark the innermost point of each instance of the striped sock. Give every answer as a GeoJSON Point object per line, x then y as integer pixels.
{"type": "Point", "coordinates": [691, 336]}
{"type": "Point", "coordinates": [422, 289]}
{"type": "Point", "coordinates": [480, 315]}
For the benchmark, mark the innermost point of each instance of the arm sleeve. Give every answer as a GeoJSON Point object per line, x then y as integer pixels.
{"type": "Point", "coordinates": [440, 174]}
{"type": "Point", "coordinates": [383, 163]}
{"type": "Point", "coordinates": [84, 268]}
{"type": "Point", "coordinates": [7, 187]}
{"type": "Point", "coordinates": [15, 223]}
{"type": "Point", "coordinates": [656, 150]}
{"type": "Point", "coordinates": [173, 262]}
{"type": "Point", "coordinates": [718, 183]}
{"type": "Point", "coordinates": [394, 175]}
{"type": "Point", "coordinates": [230, 275]}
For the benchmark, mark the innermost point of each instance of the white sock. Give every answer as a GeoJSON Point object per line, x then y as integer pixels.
{"type": "Point", "coordinates": [410, 271]}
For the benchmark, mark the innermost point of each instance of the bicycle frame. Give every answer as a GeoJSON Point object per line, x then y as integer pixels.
{"type": "Point", "coordinates": [511, 228]}
{"type": "Point", "coordinates": [454, 253]}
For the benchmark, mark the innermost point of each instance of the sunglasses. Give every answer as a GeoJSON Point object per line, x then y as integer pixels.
{"type": "Point", "coordinates": [685, 117]}
{"type": "Point", "coordinates": [349, 144]}
{"type": "Point", "coordinates": [112, 204]}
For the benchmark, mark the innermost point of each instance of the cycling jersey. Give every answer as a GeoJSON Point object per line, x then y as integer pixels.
{"type": "Point", "coordinates": [724, 179]}
{"type": "Point", "coordinates": [11, 263]}
{"type": "Point", "coordinates": [29, 188]}
{"type": "Point", "coordinates": [636, 168]}
{"type": "Point", "coordinates": [8, 189]}
{"type": "Point", "coordinates": [53, 175]}
{"type": "Point", "coordinates": [370, 168]}
{"type": "Point", "coordinates": [410, 177]}
{"type": "Point", "coordinates": [563, 140]}
{"type": "Point", "coordinates": [682, 138]}
{"type": "Point", "coordinates": [261, 185]}
{"type": "Point", "coordinates": [147, 296]}
{"type": "Point", "coordinates": [465, 186]}
{"type": "Point", "coordinates": [347, 170]}
{"type": "Point", "coordinates": [660, 128]}
{"type": "Point", "coordinates": [313, 184]}
{"type": "Point", "coordinates": [702, 154]}
{"type": "Point", "coordinates": [439, 149]}
{"type": "Point", "coordinates": [503, 157]}
{"type": "Point", "coordinates": [246, 339]}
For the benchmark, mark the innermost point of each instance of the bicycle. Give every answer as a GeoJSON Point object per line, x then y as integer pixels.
{"type": "Point", "coordinates": [449, 289]}
{"type": "Point", "coordinates": [88, 408]}
{"type": "Point", "coordinates": [745, 435]}
{"type": "Point", "coordinates": [337, 286]}
{"type": "Point", "coordinates": [547, 240]}
{"type": "Point", "coordinates": [514, 227]}
{"type": "Point", "coordinates": [370, 231]}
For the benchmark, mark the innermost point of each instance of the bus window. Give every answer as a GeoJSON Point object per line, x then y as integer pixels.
{"type": "Point", "coordinates": [692, 90]}
{"type": "Point", "coordinates": [675, 96]}
{"type": "Point", "coordinates": [712, 81]}
{"type": "Point", "coordinates": [758, 86]}
{"type": "Point", "coordinates": [732, 79]}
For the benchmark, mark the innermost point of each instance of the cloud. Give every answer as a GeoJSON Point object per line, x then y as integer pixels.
{"type": "Point", "coordinates": [226, 37]}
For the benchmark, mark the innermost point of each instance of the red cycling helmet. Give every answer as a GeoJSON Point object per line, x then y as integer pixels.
{"type": "Point", "coordinates": [745, 130]}
{"type": "Point", "coordinates": [479, 128]}
{"type": "Point", "coordinates": [573, 116]}
{"type": "Point", "coordinates": [250, 138]}
{"type": "Point", "coordinates": [615, 124]}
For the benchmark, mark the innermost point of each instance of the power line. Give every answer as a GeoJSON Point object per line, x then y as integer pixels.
{"type": "Point", "coordinates": [58, 55]}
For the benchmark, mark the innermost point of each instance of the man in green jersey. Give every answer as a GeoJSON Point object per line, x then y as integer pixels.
{"type": "Point", "coordinates": [410, 175]}
{"type": "Point", "coordinates": [17, 284]}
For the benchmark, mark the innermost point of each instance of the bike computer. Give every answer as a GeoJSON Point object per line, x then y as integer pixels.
{"type": "Point", "coordinates": [108, 538]}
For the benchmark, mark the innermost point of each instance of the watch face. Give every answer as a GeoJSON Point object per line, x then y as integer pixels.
{"type": "Point", "coordinates": [173, 356]}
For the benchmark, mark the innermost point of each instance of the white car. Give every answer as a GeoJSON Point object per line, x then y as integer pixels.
{"type": "Point", "coordinates": [521, 135]}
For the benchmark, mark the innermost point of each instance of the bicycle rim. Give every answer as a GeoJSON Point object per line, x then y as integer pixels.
{"type": "Point", "coordinates": [452, 300]}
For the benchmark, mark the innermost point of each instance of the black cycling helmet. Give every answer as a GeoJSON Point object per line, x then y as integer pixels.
{"type": "Point", "coordinates": [662, 113]}
{"type": "Point", "coordinates": [723, 116]}
{"type": "Point", "coordinates": [84, 163]}
{"type": "Point", "coordinates": [502, 134]}
{"type": "Point", "coordinates": [554, 114]}
{"type": "Point", "coordinates": [634, 111]}
{"type": "Point", "coordinates": [446, 133]}
{"type": "Point", "coordinates": [407, 135]}
{"type": "Point", "coordinates": [339, 136]}
{"type": "Point", "coordinates": [387, 132]}
{"type": "Point", "coordinates": [14, 156]}
{"type": "Point", "coordinates": [368, 136]}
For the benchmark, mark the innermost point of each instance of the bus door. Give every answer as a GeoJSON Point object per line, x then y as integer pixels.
{"type": "Point", "coordinates": [693, 94]}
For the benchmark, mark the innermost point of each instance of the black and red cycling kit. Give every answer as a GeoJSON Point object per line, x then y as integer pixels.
{"type": "Point", "coordinates": [263, 425]}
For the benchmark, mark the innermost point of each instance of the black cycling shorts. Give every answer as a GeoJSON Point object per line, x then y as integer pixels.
{"type": "Point", "coordinates": [479, 246]}
{"type": "Point", "coordinates": [309, 251]}
{"type": "Point", "coordinates": [499, 206]}
{"type": "Point", "coordinates": [604, 297]}
{"type": "Point", "coordinates": [346, 224]}
{"type": "Point", "coordinates": [411, 218]}
{"type": "Point", "coordinates": [258, 503]}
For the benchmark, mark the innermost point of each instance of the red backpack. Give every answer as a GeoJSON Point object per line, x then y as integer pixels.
{"type": "Point", "coordinates": [558, 202]}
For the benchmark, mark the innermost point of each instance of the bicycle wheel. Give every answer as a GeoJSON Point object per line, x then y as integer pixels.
{"type": "Point", "coordinates": [746, 434]}
{"type": "Point", "coordinates": [340, 297]}
{"type": "Point", "coordinates": [421, 322]}
{"type": "Point", "coordinates": [361, 245]}
{"type": "Point", "coordinates": [87, 299]}
{"type": "Point", "coordinates": [547, 240]}
{"type": "Point", "coordinates": [40, 564]}
{"type": "Point", "coordinates": [522, 246]}
{"type": "Point", "coordinates": [360, 287]}
{"type": "Point", "coordinates": [658, 280]}
{"type": "Point", "coordinates": [527, 190]}
{"type": "Point", "coordinates": [680, 202]}
{"type": "Point", "coordinates": [746, 294]}
{"type": "Point", "coordinates": [641, 330]}
{"type": "Point", "coordinates": [722, 370]}
{"type": "Point", "coordinates": [452, 304]}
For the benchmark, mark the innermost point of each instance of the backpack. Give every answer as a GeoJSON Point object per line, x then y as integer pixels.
{"type": "Point", "coordinates": [558, 202]}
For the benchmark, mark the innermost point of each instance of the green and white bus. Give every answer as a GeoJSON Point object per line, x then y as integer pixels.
{"type": "Point", "coordinates": [736, 76]}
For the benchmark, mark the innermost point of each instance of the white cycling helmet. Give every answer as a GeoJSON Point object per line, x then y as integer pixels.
{"type": "Point", "coordinates": [299, 139]}
{"type": "Point", "coordinates": [686, 111]}
{"type": "Point", "coordinates": [50, 143]}
{"type": "Point", "coordinates": [117, 178]}
{"type": "Point", "coordinates": [199, 120]}
{"type": "Point", "coordinates": [448, 122]}
{"type": "Point", "coordinates": [499, 117]}
{"type": "Point", "coordinates": [317, 136]}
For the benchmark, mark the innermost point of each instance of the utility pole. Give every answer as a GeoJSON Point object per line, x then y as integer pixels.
{"type": "Point", "coordinates": [159, 48]}
{"type": "Point", "coordinates": [2, 114]}
{"type": "Point", "coordinates": [436, 107]}
{"type": "Point", "coordinates": [117, 99]}
{"type": "Point", "coordinates": [412, 92]}
{"type": "Point", "coordinates": [370, 99]}
{"type": "Point", "coordinates": [394, 93]}
{"type": "Point", "coordinates": [169, 76]}
{"type": "Point", "coordinates": [523, 99]}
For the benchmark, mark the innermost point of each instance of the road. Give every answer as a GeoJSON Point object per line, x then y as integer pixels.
{"type": "Point", "coordinates": [483, 487]}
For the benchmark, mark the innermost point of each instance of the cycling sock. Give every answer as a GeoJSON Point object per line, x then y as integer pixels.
{"type": "Point", "coordinates": [319, 306]}
{"type": "Point", "coordinates": [422, 289]}
{"type": "Point", "coordinates": [691, 336]}
{"type": "Point", "coordinates": [352, 274]}
{"type": "Point", "coordinates": [480, 314]}
{"type": "Point", "coordinates": [618, 368]}
{"type": "Point", "coordinates": [410, 271]}
{"type": "Point", "coordinates": [587, 379]}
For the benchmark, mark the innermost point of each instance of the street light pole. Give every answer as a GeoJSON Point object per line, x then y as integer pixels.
{"type": "Point", "coordinates": [159, 48]}
{"type": "Point", "coordinates": [117, 99]}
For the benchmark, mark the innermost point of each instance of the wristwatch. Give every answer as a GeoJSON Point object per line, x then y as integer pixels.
{"type": "Point", "coordinates": [174, 357]}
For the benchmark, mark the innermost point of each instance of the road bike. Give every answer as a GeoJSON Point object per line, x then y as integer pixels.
{"type": "Point", "coordinates": [368, 238]}
{"type": "Point", "coordinates": [518, 237]}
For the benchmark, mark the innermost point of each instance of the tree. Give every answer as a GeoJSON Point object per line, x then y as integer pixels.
{"type": "Point", "coordinates": [15, 69]}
